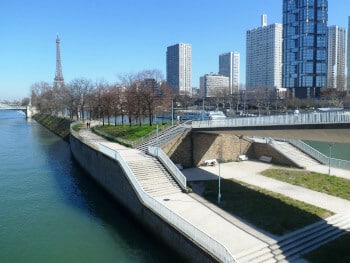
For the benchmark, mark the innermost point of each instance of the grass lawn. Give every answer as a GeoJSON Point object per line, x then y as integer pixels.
{"type": "Point", "coordinates": [323, 183]}
{"type": "Point", "coordinates": [126, 132]}
{"type": "Point", "coordinates": [274, 213]}
{"type": "Point", "coordinates": [335, 251]}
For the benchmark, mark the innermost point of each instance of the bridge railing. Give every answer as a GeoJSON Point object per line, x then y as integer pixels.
{"type": "Point", "coordinates": [211, 245]}
{"type": "Point", "coordinates": [290, 119]}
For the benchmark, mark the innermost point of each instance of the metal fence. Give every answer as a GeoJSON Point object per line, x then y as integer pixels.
{"type": "Point", "coordinates": [211, 245]}
{"type": "Point", "coordinates": [322, 158]}
{"type": "Point", "coordinates": [290, 119]}
{"type": "Point", "coordinates": [171, 167]}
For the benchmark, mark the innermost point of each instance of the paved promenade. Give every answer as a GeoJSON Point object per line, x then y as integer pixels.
{"type": "Point", "coordinates": [249, 172]}
{"type": "Point", "coordinates": [235, 235]}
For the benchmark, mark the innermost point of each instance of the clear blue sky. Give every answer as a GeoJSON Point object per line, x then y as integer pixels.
{"type": "Point", "coordinates": [101, 39]}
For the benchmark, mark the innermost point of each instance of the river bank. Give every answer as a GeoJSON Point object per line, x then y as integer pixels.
{"type": "Point", "coordinates": [57, 125]}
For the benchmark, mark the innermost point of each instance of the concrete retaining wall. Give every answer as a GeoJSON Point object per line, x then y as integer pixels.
{"type": "Point", "coordinates": [263, 149]}
{"type": "Point", "coordinates": [109, 174]}
{"type": "Point", "coordinates": [194, 148]}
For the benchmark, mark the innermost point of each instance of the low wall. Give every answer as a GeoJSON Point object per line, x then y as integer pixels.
{"type": "Point", "coordinates": [109, 174]}
{"type": "Point", "coordinates": [194, 148]}
{"type": "Point", "coordinates": [264, 149]}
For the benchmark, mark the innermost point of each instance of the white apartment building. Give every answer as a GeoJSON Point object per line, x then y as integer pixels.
{"type": "Point", "coordinates": [264, 56]}
{"type": "Point", "coordinates": [337, 54]}
{"type": "Point", "coordinates": [213, 85]}
{"type": "Point", "coordinates": [229, 66]}
{"type": "Point", "coordinates": [179, 68]}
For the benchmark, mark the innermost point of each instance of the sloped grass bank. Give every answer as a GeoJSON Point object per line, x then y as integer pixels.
{"type": "Point", "coordinates": [274, 213]}
{"type": "Point", "coordinates": [323, 183]}
{"type": "Point", "coordinates": [59, 126]}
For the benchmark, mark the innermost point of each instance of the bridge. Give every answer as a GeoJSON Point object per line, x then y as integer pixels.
{"type": "Point", "coordinates": [28, 110]}
{"type": "Point", "coordinates": [7, 106]}
{"type": "Point", "coordinates": [331, 126]}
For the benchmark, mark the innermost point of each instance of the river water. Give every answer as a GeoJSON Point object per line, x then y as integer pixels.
{"type": "Point", "coordinates": [50, 210]}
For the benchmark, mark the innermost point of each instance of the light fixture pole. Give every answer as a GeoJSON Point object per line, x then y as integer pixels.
{"type": "Point", "coordinates": [329, 159]}
{"type": "Point", "coordinates": [172, 112]}
{"type": "Point", "coordinates": [219, 192]}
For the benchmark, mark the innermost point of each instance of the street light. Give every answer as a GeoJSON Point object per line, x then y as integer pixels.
{"type": "Point", "coordinates": [329, 159]}
{"type": "Point", "coordinates": [219, 192]}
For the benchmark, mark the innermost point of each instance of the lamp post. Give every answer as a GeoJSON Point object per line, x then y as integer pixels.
{"type": "Point", "coordinates": [172, 112]}
{"type": "Point", "coordinates": [329, 159]}
{"type": "Point", "coordinates": [219, 192]}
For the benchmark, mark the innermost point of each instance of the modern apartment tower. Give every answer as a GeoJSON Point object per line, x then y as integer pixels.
{"type": "Point", "coordinates": [337, 55]}
{"type": "Point", "coordinates": [229, 65]}
{"type": "Point", "coordinates": [58, 76]}
{"type": "Point", "coordinates": [214, 85]}
{"type": "Point", "coordinates": [305, 47]}
{"type": "Point", "coordinates": [264, 56]}
{"type": "Point", "coordinates": [179, 68]}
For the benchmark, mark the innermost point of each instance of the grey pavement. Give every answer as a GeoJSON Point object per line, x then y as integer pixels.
{"type": "Point", "coordinates": [236, 235]}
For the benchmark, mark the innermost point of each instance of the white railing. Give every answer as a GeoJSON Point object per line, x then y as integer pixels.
{"type": "Point", "coordinates": [322, 158]}
{"type": "Point", "coordinates": [171, 167]}
{"type": "Point", "coordinates": [291, 119]}
{"type": "Point", "coordinates": [212, 246]}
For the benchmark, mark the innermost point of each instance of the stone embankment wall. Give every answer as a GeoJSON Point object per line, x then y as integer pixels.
{"type": "Point", "coordinates": [193, 148]}
{"type": "Point", "coordinates": [109, 174]}
{"type": "Point", "coordinates": [58, 126]}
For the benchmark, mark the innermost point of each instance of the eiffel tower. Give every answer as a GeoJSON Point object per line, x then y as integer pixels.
{"type": "Point", "coordinates": [59, 81]}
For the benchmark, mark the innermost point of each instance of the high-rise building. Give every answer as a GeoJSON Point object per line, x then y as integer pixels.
{"type": "Point", "coordinates": [305, 47]}
{"type": "Point", "coordinates": [337, 54]}
{"type": "Point", "coordinates": [264, 56]}
{"type": "Point", "coordinates": [179, 68]}
{"type": "Point", "coordinates": [229, 64]}
{"type": "Point", "coordinates": [58, 76]}
{"type": "Point", "coordinates": [214, 85]}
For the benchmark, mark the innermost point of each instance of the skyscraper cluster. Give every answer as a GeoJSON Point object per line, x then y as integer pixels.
{"type": "Point", "coordinates": [311, 54]}
{"type": "Point", "coordinates": [301, 55]}
{"type": "Point", "coordinates": [179, 72]}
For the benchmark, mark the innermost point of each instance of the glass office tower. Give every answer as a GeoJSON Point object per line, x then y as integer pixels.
{"type": "Point", "coordinates": [305, 47]}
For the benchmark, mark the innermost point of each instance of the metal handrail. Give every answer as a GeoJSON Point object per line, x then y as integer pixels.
{"type": "Point", "coordinates": [171, 167]}
{"type": "Point", "coordinates": [322, 158]}
{"type": "Point", "coordinates": [291, 119]}
{"type": "Point", "coordinates": [210, 244]}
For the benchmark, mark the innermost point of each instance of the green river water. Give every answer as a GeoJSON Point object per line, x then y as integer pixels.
{"type": "Point", "coordinates": [51, 211]}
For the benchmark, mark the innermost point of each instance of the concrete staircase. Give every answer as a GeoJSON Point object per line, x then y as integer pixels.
{"type": "Point", "coordinates": [294, 154]}
{"type": "Point", "coordinates": [153, 177]}
{"type": "Point", "coordinates": [291, 246]}
{"type": "Point", "coordinates": [164, 136]}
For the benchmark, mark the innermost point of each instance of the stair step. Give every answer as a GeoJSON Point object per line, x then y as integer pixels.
{"type": "Point", "coordinates": [254, 254]}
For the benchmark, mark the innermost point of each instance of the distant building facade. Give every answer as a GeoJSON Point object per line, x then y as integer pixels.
{"type": "Point", "coordinates": [264, 56]}
{"type": "Point", "coordinates": [179, 68]}
{"type": "Point", "coordinates": [337, 56]}
{"type": "Point", "coordinates": [213, 85]}
{"type": "Point", "coordinates": [229, 66]}
{"type": "Point", "coordinates": [305, 47]}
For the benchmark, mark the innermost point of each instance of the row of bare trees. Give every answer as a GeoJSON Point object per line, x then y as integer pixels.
{"type": "Point", "coordinates": [137, 97]}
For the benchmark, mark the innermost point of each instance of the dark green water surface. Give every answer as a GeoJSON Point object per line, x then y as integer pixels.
{"type": "Point", "coordinates": [50, 211]}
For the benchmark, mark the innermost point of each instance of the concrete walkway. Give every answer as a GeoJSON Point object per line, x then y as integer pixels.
{"type": "Point", "coordinates": [236, 235]}
{"type": "Point", "coordinates": [249, 172]}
